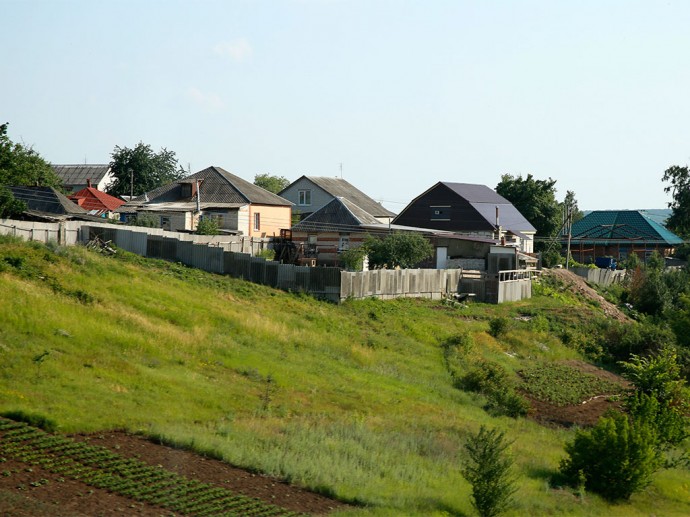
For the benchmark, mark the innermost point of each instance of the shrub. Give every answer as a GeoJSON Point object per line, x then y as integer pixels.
{"type": "Point", "coordinates": [353, 258]}
{"type": "Point", "coordinates": [267, 254]}
{"type": "Point", "coordinates": [404, 250]}
{"type": "Point", "coordinates": [498, 326]}
{"type": "Point", "coordinates": [146, 220]}
{"type": "Point", "coordinates": [207, 226]}
{"type": "Point", "coordinates": [488, 470]}
{"type": "Point", "coordinates": [617, 457]}
{"type": "Point", "coordinates": [491, 379]}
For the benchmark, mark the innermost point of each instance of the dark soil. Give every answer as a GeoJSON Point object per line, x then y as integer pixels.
{"type": "Point", "coordinates": [28, 490]}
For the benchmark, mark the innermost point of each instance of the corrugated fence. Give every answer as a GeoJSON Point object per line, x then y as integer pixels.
{"type": "Point", "coordinates": [220, 255]}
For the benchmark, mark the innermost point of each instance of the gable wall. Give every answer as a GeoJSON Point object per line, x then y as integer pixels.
{"type": "Point", "coordinates": [319, 197]}
{"type": "Point", "coordinates": [462, 216]}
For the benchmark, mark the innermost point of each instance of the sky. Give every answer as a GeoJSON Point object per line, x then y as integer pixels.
{"type": "Point", "coordinates": [393, 96]}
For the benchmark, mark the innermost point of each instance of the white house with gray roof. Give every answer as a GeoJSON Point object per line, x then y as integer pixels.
{"type": "Point", "coordinates": [311, 193]}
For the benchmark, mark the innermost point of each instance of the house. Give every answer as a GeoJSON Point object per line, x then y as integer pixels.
{"type": "Point", "coordinates": [617, 234]}
{"type": "Point", "coordinates": [341, 225]}
{"type": "Point", "coordinates": [96, 202]}
{"type": "Point", "coordinates": [239, 207]}
{"type": "Point", "coordinates": [469, 209]}
{"type": "Point", "coordinates": [47, 204]}
{"type": "Point", "coordinates": [311, 193]}
{"type": "Point", "coordinates": [78, 177]}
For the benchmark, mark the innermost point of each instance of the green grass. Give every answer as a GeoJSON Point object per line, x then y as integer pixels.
{"type": "Point", "coordinates": [362, 405]}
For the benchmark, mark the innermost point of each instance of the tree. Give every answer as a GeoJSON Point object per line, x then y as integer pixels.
{"type": "Point", "coordinates": [9, 206]}
{"type": "Point", "coordinates": [271, 183]}
{"type": "Point", "coordinates": [397, 249]}
{"type": "Point", "coordinates": [534, 199]}
{"type": "Point", "coordinates": [570, 203]}
{"type": "Point", "coordinates": [21, 165]}
{"type": "Point", "coordinates": [679, 179]}
{"type": "Point", "coordinates": [140, 170]}
{"type": "Point", "coordinates": [489, 472]}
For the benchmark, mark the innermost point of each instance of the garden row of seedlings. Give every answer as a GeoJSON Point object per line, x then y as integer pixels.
{"type": "Point", "coordinates": [99, 467]}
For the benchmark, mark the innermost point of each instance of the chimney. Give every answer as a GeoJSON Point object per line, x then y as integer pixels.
{"type": "Point", "coordinates": [88, 182]}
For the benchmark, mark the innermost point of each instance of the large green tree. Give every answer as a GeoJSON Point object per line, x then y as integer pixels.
{"type": "Point", "coordinates": [679, 188]}
{"type": "Point", "coordinates": [534, 199]}
{"type": "Point", "coordinates": [141, 170]}
{"type": "Point", "coordinates": [271, 183]}
{"type": "Point", "coordinates": [21, 165]}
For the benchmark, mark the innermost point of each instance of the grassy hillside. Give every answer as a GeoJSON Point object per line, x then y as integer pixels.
{"type": "Point", "coordinates": [354, 400]}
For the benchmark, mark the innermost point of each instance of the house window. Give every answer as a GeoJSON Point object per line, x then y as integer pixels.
{"type": "Point", "coordinates": [440, 213]}
{"type": "Point", "coordinates": [257, 221]}
{"type": "Point", "coordinates": [312, 238]}
{"type": "Point", "coordinates": [165, 222]}
{"type": "Point", "coordinates": [344, 242]}
{"type": "Point", "coordinates": [304, 197]}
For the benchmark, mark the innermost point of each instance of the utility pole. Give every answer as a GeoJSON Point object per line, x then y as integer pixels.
{"type": "Point", "coordinates": [131, 184]}
{"type": "Point", "coordinates": [569, 225]}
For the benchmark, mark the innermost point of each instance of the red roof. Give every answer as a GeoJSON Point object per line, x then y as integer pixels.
{"type": "Point", "coordinates": [91, 198]}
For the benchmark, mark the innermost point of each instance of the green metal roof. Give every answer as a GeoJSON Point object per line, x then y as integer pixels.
{"type": "Point", "coordinates": [621, 226]}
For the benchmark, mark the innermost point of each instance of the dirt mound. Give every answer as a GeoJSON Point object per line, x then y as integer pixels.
{"type": "Point", "coordinates": [579, 286]}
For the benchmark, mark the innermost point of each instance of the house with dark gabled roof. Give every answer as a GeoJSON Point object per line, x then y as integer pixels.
{"type": "Point", "coordinates": [47, 204]}
{"type": "Point", "coordinates": [79, 176]}
{"type": "Point", "coordinates": [239, 207]}
{"type": "Point", "coordinates": [341, 225]}
{"type": "Point", "coordinates": [617, 234]}
{"type": "Point", "coordinates": [96, 202]}
{"type": "Point", "coordinates": [310, 193]}
{"type": "Point", "coordinates": [469, 209]}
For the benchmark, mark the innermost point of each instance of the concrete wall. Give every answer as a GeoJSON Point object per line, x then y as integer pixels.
{"type": "Point", "coordinates": [396, 283]}
{"type": "Point", "coordinates": [478, 264]}
{"type": "Point", "coordinates": [66, 233]}
{"type": "Point", "coordinates": [604, 277]}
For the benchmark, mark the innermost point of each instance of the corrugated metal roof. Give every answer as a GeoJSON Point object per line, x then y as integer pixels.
{"type": "Point", "coordinates": [94, 199]}
{"type": "Point", "coordinates": [338, 187]}
{"type": "Point", "coordinates": [46, 200]}
{"type": "Point", "coordinates": [339, 214]}
{"type": "Point", "coordinates": [217, 186]}
{"type": "Point", "coordinates": [509, 217]}
{"type": "Point", "coordinates": [602, 226]}
{"type": "Point", "coordinates": [79, 174]}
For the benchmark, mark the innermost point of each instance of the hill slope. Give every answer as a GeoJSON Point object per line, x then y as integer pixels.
{"type": "Point", "coordinates": [356, 400]}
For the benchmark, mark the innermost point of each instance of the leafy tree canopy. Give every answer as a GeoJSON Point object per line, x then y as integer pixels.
{"type": "Point", "coordinates": [679, 179]}
{"type": "Point", "coordinates": [534, 199]}
{"type": "Point", "coordinates": [140, 170]}
{"type": "Point", "coordinates": [404, 250]}
{"type": "Point", "coordinates": [21, 165]}
{"type": "Point", "coordinates": [271, 183]}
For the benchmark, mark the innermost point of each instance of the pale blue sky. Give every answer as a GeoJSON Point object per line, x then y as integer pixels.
{"type": "Point", "coordinates": [594, 94]}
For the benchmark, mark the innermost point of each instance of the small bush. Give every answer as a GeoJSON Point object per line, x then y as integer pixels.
{"type": "Point", "coordinates": [267, 254]}
{"type": "Point", "coordinates": [492, 380]}
{"type": "Point", "coordinates": [498, 326]}
{"type": "Point", "coordinates": [207, 226]}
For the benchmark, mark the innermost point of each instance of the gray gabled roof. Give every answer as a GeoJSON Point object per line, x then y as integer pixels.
{"type": "Point", "coordinates": [338, 187]}
{"type": "Point", "coordinates": [79, 174]}
{"type": "Point", "coordinates": [485, 201]}
{"type": "Point", "coordinates": [46, 200]}
{"type": "Point", "coordinates": [217, 186]}
{"type": "Point", "coordinates": [339, 214]}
